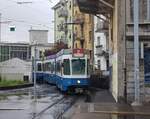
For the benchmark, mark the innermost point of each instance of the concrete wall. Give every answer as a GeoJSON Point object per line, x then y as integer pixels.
{"type": "Point", "coordinates": [130, 72]}
{"type": "Point", "coordinates": [117, 49]}
{"type": "Point", "coordinates": [12, 76]}
{"type": "Point", "coordinates": [15, 69]}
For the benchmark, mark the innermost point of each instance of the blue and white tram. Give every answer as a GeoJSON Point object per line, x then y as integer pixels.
{"type": "Point", "coordinates": [68, 73]}
{"type": "Point", "coordinates": [39, 72]}
{"type": "Point", "coordinates": [49, 69]}
{"type": "Point", "coordinates": [71, 73]}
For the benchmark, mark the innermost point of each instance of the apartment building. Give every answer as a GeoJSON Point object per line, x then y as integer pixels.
{"type": "Point", "coordinates": [77, 29]}
{"type": "Point", "coordinates": [101, 53]}
{"type": "Point", "coordinates": [119, 14]}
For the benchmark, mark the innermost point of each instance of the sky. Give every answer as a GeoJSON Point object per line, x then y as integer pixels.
{"type": "Point", "coordinates": [37, 14]}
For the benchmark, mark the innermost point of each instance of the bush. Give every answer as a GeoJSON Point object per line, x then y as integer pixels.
{"type": "Point", "coordinates": [4, 82]}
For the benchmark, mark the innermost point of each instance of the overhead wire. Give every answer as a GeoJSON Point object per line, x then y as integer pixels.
{"type": "Point", "coordinates": [27, 22]}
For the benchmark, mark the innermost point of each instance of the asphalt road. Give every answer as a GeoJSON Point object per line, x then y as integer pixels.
{"type": "Point", "coordinates": [20, 103]}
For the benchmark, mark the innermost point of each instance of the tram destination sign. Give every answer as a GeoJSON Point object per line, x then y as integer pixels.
{"type": "Point", "coordinates": [78, 53]}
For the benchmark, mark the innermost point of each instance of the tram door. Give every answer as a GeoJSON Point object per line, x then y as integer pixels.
{"type": "Point", "coordinates": [147, 65]}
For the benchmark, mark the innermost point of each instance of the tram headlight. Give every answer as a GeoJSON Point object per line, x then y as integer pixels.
{"type": "Point", "coordinates": [78, 81]}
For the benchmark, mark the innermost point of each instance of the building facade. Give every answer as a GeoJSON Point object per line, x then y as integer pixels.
{"type": "Point", "coordinates": [14, 50]}
{"type": "Point", "coordinates": [16, 69]}
{"type": "Point", "coordinates": [40, 49]}
{"type": "Point", "coordinates": [39, 42]}
{"type": "Point", "coordinates": [119, 14]}
{"type": "Point", "coordinates": [100, 45]}
{"type": "Point", "coordinates": [77, 27]}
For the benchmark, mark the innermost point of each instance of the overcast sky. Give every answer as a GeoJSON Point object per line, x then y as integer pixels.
{"type": "Point", "coordinates": [35, 15]}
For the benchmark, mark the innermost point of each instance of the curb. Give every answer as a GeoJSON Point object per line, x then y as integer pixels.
{"type": "Point", "coordinates": [16, 87]}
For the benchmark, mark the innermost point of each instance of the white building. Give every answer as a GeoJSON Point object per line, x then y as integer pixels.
{"type": "Point", "coordinates": [39, 39]}
{"type": "Point", "coordinates": [15, 69]}
{"type": "Point", "coordinates": [38, 36]}
{"type": "Point", "coordinates": [100, 45]}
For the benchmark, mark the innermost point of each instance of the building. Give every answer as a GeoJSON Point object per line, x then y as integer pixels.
{"type": "Point", "coordinates": [16, 69]}
{"type": "Point", "coordinates": [101, 59]}
{"type": "Point", "coordinates": [119, 14]}
{"type": "Point", "coordinates": [14, 50]}
{"type": "Point", "coordinates": [40, 49]}
{"type": "Point", "coordinates": [38, 36]}
{"type": "Point", "coordinates": [60, 19]}
{"type": "Point", "coordinates": [39, 40]}
{"type": "Point", "coordinates": [72, 26]}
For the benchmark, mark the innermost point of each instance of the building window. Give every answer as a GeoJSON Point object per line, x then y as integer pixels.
{"type": "Point", "coordinates": [70, 5]}
{"type": "Point", "coordinates": [98, 40]}
{"type": "Point", "coordinates": [76, 45]}
{"type": "Point", "coordinates": [98, 64]}
{"type": "Point", "coordinates": [90, 35]}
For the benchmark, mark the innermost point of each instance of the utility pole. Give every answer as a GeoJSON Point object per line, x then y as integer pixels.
{"type": "Point", "coordinates": [0, 25]}
{"type": "Point", "coordinates": [35, 72]}
{"type": "Point", "coordinates": [136, 54]}
{"type": "Point", "coordinates": [148, 10]}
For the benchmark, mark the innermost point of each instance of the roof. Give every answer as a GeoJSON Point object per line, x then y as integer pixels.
{"type": "Point", "coordinates": [57, 5]}
{"type": "Point", "coordinates": [13, 44]}
{"type": "Point", "coordinates": [37, 30]}
{"type": "Point", "coordinates": [14, 62]}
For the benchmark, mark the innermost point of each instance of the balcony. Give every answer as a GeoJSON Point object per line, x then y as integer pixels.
{"type": "Point", "coordinates": [102, 26]}
{"type": "Point", "coordinates": [60, 27]}
{"type": "Point", "coordinates": [63, 39]}
{"type": "Point", "coordinates": [63, 12]}
{"type": "Point", "coordinates": [78, 37]}
{"type": "Point", "coordinates": [78, 19]}
{"type": "Point", "coordinates": [101, 52]}
{"type": "Point", "coordinates": [98, 45]}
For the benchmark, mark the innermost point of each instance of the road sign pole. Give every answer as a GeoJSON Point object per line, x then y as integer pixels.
{"type": "Point", "coordinates": [35, 73]}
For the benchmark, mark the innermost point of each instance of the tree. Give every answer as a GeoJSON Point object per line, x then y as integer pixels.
{"type": "Point", "coordinates": [57, 47]}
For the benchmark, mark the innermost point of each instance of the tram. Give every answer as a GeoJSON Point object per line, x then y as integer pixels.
{"type": "Point", "coordinates": [67, 72]}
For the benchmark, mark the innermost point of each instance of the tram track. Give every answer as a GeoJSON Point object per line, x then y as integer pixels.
{"type": "Point", "coordinates": [63, 100]}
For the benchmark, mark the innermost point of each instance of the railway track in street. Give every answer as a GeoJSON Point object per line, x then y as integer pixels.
{"type": "Point", "coordinates": [67, 100]}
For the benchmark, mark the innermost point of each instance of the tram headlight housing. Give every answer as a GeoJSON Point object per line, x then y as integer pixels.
{"type": "Point", "coordinates": [78, 81]}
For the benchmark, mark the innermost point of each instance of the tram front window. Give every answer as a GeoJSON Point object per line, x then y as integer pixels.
{"type": "Point", "coordinates": [78, 66]}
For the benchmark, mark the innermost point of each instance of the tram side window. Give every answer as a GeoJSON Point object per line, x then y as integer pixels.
{"type": "Point", "coordinates": [44, 67]}
{"type": "Point", "coordinates": [39, 67]}
{"type": "Point", "coordinates": [58, 68]}
{"type": "Point", "coordinates": [88, 67]}
{"type": "Point", "coordinates": [52, 68]}
{"type": "Point", "coordinates": [66, 67]}
{"type": "Point", "coordinates": [49, 66]}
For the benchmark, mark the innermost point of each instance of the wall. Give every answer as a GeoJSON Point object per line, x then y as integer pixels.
{"type": "Point", "coordinates": [15, 69]}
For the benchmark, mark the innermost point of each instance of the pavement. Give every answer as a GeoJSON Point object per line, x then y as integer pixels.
{"type": "Point", "coordinates": [103, 106]}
